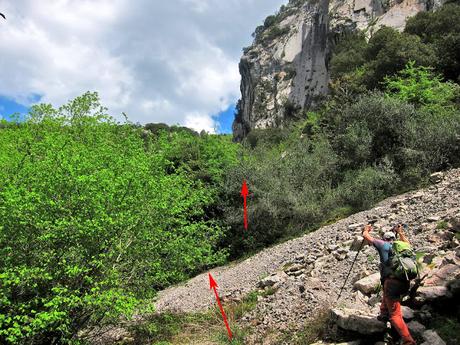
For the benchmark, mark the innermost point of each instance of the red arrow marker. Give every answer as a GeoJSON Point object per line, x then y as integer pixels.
{"type": "Point", "coordinates": [244, 194]}
{"type": "Point", "coordinates": [213, 285]}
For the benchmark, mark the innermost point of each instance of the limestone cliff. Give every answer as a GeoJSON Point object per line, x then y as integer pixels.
{"type": "Point", "coordinates": [286, 68]}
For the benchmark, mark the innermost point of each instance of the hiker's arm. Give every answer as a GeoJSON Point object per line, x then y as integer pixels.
{"type": "Point", "coordinates": [366, 234]}
{"type": "Point", "coordinates": [400, 232]}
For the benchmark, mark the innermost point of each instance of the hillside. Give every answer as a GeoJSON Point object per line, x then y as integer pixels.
{"type": "Point", "coordinates": [302, 277]}
{"type": "Point", "coordinates": [340, 114]}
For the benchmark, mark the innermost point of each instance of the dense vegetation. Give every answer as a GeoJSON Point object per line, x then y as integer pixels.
{"type": "Point", "coordinates": [392, 117]}
{"type": "Point", "coordinates": [96, 216]}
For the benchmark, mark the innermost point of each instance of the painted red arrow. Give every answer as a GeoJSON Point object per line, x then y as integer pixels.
{"type": "Point", "coordinates": [244, 194]}
{"type": "Point", "coordinates": [213, 285]}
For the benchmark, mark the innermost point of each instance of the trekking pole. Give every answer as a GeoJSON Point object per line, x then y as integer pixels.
{"type": "Point", "coordinates": [346, 279]}
{"type": "Point", "coordinates": [353, 263]}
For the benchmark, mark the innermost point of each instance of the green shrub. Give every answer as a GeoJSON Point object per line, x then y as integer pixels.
{"type": "Point", "coordinates": [348, 54]}
{"type": "Point", "coordinates": [288, 187]}
{"type": "Point", "coordinates": [371, 129]}
{"type": "Point", "coordinates": [421, 87]}
{"type": "Point", "coordinates": [441, 29]}
{"type": "Point", "coordinates": [363, 188]}
{"type": "Point", "coordinates": [92, 222]}
{"type": "Point", "coordinates": [388, 52]}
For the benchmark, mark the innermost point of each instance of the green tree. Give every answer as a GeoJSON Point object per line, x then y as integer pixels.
{"type": "Point", "coordinates": [441, 29]}
{"type": "Point", "coordinates": [91, 222]}
{"type": "Point", "coordinates": [389, 51]}
{"type": "Point", "coordinates": [348, 54]}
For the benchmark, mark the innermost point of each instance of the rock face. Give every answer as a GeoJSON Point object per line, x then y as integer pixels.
{"type": "Point", "coordinates": [286, 68]}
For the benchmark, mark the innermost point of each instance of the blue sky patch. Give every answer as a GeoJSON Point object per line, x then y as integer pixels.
{"type": "Point", "coordinates": [225, 120]}
{"type": "Point", "coordinates": [8, 106]}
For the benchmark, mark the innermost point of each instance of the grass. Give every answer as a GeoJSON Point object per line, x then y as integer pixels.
{"type": "Point", "coordinates": [311, 331]}
{"type": "Point", "coordinates": [268, 291]}
{"type": "Point", "coordinates": [371, 258]}
{"type": "Point", "coordinates": [448, 329]}
{"type": "Point", "coordinates": [442, 225]}
{"type": "Point", "coordinates": [205, 328]}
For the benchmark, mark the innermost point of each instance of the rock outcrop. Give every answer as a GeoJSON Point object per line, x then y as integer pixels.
{"type": "Point", "coordinates": [286, 68]}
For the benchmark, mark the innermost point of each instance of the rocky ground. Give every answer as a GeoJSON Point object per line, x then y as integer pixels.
{"type": "Point", "coordinates": [305, 274]}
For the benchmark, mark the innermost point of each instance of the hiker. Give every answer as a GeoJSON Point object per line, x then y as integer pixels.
{"type": "Point", "coordinates": [393, 289]}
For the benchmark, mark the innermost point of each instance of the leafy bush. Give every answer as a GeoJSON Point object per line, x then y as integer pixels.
{"type": "Point", "coordinates": [421, 87]}
{"type": "Point", "coordinates": [363, 188]}
{"type": "Point", "coordinates": [388, 52]}
{"type": "Point", "coordinates": [92, 221]}
{"type": "Point", "coordinates": [369, 130]}
{"type": "Point", "coordinates": [268, 136]}
{"type": "Point", "coordinates": [348, 54]}
{"type": "Point", "coordinates": [441, 29]}
{"type": "Point", "coordinates": [289, 193]}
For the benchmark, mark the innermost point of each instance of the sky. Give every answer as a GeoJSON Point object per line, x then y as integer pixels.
{"type": "Point", "coordinates": [172, 61]}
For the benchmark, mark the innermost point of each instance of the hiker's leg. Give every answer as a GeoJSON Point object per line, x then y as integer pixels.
{"type": "Point", "coordinates": [393, 290]}
{"type": "Point", "coordinates": [383, 306]}
{"type": "Point", "coordinates": [396, 319]}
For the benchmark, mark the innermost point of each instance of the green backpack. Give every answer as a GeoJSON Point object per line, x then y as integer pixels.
{"type": "Point", "coordinates": [403, 261]}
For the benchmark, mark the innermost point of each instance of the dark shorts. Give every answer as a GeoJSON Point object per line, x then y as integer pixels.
{"type": "Point", "coordinates": [395, 289]}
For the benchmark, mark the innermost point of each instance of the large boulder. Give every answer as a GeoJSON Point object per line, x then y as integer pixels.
{"type": "Point", "coordinates": [436, 177]}
{"type": "Point", "coordinates": [416, 328]}
{"type": "Point", "coordinates": [426, 294]}
{"type": "Point", "coordinates": [357, 321]}
{"type": "Point", "coordinates": [432, 338]}
{"type": "Point", "coordinates": [369, 284]}
{"type": "Point", "coordinates": [273, 280]}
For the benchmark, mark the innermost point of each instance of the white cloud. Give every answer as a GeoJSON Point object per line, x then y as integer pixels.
{"type": "Point", "coordinates": [172, 62]}
{"type": "Point", "coordinates": [200, 122]}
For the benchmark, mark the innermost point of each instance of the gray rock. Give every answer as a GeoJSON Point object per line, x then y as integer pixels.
{"type": "Point", "coordinates": [355, 226]}
{"type": "Point", "coordinates": [289, 68]}
{"type": "Point", "coordinates": [332, 247]}
{"type": "Point", "coordinates": [374, 299]}
{"type": "Point", "coordinates": [357, 244]}
{"type": "Point", "coordinates": [432, 338]}
{"type": "Point", "coordinates": [397, 202]}
{"type": "Point", "coordinates": [416, 328]}
{"type": "Point", "coordinates": [272, 280]}
{"type": "Point", "coordinates": [408, 313]}
{"type": "Point", "coordinates": [430, 293]}
{"type": "Point", "coordinates": [294, 268]}
{"type": "Point", "coordinates": [357, 321]}
{"type": "Point", "coordinates": [342, 250]}
{"type": "Point", "coordinates": [296, 273]}
{"type": "Point", "coordinates": [433, 219]}
{"type": "Point", "coordinates": [436, 177]}
{"type": "Point", "coordinates": [368, 284]}
{"type": "Point", "coordinates": [418, 195]}
{"type": "Point", "coordinates": [340, 256]}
